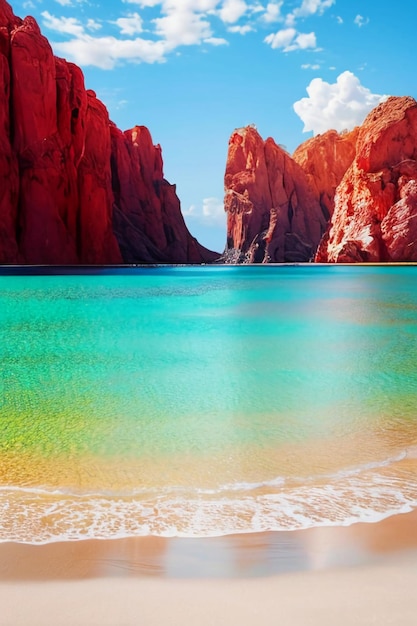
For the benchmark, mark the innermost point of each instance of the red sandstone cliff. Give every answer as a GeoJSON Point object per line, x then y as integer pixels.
{"type": "Point", "coordinates": [147, 217]}
{"type": "Point", "coordinates": [273, 214]}
{"type": "Point", "coordinates": [73, 188]}
{"type": "Point", "coordinates": [362, 183]}
{"type": "Point", "coordinates": [325, 159]}
{"type": "Point", "coordinates": [375, 215]}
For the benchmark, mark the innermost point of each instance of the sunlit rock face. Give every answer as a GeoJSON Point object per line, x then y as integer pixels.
{"type": "Point", "coordinates": [273, 214]}
{"type": "Point", "coordinates": [375, 214]}
{"type": "Point", "coordinates": [325, 159]}
{"type": "Point", "coordinates": [74, 189]}
{"type": "Point", "coordinates": [342, 198]}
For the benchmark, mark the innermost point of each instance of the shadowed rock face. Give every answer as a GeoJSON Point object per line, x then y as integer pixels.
{"type": "Point", "coordinates": [73, 188]}
{"type": "Point", "coordinates": [273, 215]}
{"type": "Point", "coordinates": [375, 215]}
{"type": "Point", "coordinates": [147, 217]}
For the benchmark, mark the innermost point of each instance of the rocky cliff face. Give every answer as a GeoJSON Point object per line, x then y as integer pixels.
{"type": "Point", "coordinates": [273, 214]}
{"type": "Point", "coordinates": [147, 217]}
{"type": "Point", "coordinates": [375, 215]}
{"type": "Point", "coordinates": [362, 184]}
{"type": "Point", "coordinates": [73, 188]}
{"type": "Point", "coordinates": [325, 159]}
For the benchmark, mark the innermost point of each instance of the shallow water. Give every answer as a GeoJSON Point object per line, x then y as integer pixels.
{"type": "Point", "coordinates": [198, 401]}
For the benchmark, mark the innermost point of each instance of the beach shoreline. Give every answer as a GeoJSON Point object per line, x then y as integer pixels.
{"type": "Point", "coordinates": [361, 574]}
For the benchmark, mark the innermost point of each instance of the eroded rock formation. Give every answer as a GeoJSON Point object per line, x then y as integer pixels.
{"type": "Point", "coordinates": [363, 184]}
{"type": "Point", "coordinates": [147, 217]}
{"type": "Point", "coordinates": [73, 188]}
{"type": "Point", "coordinates": [273, 215]}
{"type": "Point", "coordinates": [375, 215]}
{"type": "Point", "coordinates": [325, 159]}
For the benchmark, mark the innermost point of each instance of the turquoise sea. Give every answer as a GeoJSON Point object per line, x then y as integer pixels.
{"type": "Point", "coordinates": [202, 401]}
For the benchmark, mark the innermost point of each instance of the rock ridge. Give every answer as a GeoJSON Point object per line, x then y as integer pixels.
{"type": "Point", "coordinates": [375, 216]}
{"type": "Point", "coordinates": [73, 188]}
{"type": "Point", "coordinates": [272, 212]}
{"type": "Point", "coordinates": [341, 198]}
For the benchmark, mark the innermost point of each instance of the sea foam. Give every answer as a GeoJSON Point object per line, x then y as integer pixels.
{"type": "Point", "coordinates": [36, 516]}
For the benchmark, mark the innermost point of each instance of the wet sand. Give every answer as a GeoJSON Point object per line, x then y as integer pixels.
{"type": "Point", "coordinates": [361, 574]}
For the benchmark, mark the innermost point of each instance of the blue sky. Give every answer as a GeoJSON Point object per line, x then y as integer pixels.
{"type": "Point", "coordinates": [194, 70]}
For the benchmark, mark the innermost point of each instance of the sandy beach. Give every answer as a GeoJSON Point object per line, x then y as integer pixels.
{"type": "Point", "coordinates": [380, 595]}
{"type": "Point", "coordinates": [361, 574]}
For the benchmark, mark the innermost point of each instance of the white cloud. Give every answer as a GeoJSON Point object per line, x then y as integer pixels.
{"type": "Point", "coordinates": [159, 27]}
{"type": "Point", "coordinates": [288, 39]}
{"type": "Point", "coordinates": [311, 7]}
{"type": "Point", "coordinates": [130, 25]}
{"type": "Point", "coordinates": [339, 19]}
{"type": "Point", "coordinates": [68, 3]}
{"type": "Point", "coordinates": [232, 10]}
{"type": "Point", "coordinates": [242, 30]}
{"type": "Point", "coordinates": [256, 8]}
{"type": "Point", "coordinates": [182, 28]}
{"type": "Point", "coordinates": [67, 25]}
{"type": "Point", "coordinates": [213, 210]}
{"type": "Point", "coordinates": [106, 52]}
{"type": "Point", "coordinates": [180, 23]}
{"type": "Point", "coordinates": [143, 3]}
{"type": "Point", "coordinates": [361, 21]}
{"type": "Point", "coordinates": [304, 41]}
{"type": "Point", "coordinates": [211, 213]}
{"type": "Point", "coordinates": [282, 38]}
{"type": "Point", "coordinates": [184, 22]}
{"type": "Point", "coordinates": [310, 66]}
{"type": "Point", "coordinates": [216, 41]}
{"type": "Point", "coordinates": [272, 12]}
{"type": "Point", "coordinates": [307, 9]}
{"type": "Point", "coordinates": [93, 25]}
{"type": "Point", "coordinates": [340, 105]}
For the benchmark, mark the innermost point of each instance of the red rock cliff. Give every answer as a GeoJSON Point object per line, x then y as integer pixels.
{"type": "Point", "coordinates": [273, 214]}
{"type": "Point", "coordinates": [325, 159]}
{"type": "Point", "coordinates": [146, 212]}
{"type": "Point", "coordinates": [74, 189]}
{"type": "Point", "coordinates": [375, 215]}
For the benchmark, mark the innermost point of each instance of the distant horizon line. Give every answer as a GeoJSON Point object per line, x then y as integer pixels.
{"type": "Point", "coordinates": [74, 269]}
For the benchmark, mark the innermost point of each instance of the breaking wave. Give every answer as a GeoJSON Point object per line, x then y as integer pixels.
{"type": "Point", "coordinates": [368, 493]}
